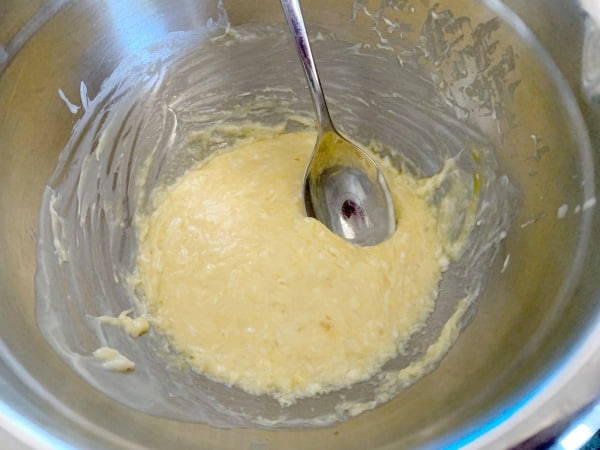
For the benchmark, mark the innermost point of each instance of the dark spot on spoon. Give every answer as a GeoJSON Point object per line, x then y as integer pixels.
{"type": "Point", "coordinates": [351, 209]}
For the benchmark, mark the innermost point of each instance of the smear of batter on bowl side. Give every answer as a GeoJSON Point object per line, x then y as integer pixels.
{"type": "Point", "coordinates": [257, 295]}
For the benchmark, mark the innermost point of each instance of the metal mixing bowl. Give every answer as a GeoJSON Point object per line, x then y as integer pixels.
{"type": "Point", "coordinates": [529, 358]}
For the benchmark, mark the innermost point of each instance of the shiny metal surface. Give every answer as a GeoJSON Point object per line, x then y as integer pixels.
{"type": "Point", "coordinates": [344, 188]}
{"type": "Point", "coordinates": [529, 358]}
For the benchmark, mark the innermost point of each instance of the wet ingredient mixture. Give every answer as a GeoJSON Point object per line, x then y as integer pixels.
{"type": "Point", "coordinates": [257, 295]}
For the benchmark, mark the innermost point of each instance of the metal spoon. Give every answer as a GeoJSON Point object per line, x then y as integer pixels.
{"type": "Point", "coordinates": [343, 187]}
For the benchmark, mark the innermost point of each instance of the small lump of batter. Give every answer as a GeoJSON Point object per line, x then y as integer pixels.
{"type": "Point", "coordinates": [113, 360]}
{"type": "Point", "coordinates": [257, 295]}
{"type": "Point", "coordinates": [133, 326]}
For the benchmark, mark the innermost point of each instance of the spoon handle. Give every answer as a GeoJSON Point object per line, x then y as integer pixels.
{"type": "Point", "coordinates": [293, 14]}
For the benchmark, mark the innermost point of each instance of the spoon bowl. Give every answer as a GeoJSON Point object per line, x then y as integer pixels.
{"type": "Point", "coordinates": [345, 190]}
{"type": "Point", "coordinates": [343, 186]}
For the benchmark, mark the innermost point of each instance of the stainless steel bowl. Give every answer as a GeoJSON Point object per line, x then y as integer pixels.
{"type": "Point", "coordinates": [528, 360]}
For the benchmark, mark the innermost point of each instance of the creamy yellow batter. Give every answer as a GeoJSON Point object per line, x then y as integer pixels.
{"type": "Point", "coordinates": [255, 294]}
